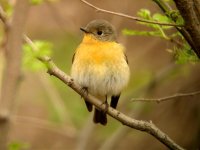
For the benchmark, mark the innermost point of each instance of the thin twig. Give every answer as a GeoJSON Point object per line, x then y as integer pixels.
{"type": "Point", "coordinates": [167, 98]}
{"type": "Point", "coordinates": [85, 134]}
{"type": "Point", "coordinates": [128, 16]}
{"type": "Point", "coordinates": [30, 42]}
{"type": "Point", "coordinates": [44, 124]}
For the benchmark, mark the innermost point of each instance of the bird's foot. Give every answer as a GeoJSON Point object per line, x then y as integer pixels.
{"type": "Point", "coordinates": [84, 91]}
{"type": "Point", "coordinates": [106, 106]}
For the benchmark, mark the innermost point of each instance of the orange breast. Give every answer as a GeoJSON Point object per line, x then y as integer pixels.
{"type": "Point", "coordinates": [97, 52]}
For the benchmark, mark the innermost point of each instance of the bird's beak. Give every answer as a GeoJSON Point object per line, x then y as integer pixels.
{"type": "Point", "coordinates": [84, 30]}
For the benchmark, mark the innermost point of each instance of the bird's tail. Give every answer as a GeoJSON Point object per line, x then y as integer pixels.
{"type": "Point", "coordinates": [100, 117]}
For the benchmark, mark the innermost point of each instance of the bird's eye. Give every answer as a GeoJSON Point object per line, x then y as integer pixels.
{"type": "Point", "coordinates": [99, 32]}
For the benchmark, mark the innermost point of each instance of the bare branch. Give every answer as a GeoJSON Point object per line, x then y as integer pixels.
{"type": "Point", "coordinates": [192, 23]}
{"type": "Point", "coordinates": [55, 99]}
{"type": "Point", "coordinates": [128, 16]}
{"type": "Point", "coordinates": [13, 55]}
{"type": "Point", "coordinates": [167, 98]}
{"type": "Point", "coordinates": [85, 134]}
{"type": "Point", "coordinates": [11, 76]}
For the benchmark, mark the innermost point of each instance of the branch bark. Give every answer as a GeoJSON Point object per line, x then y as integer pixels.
{"type": "Point", "coordinates": [145, 126]}
{"type": "Point", "coordinates": [12, 69]}
{"type": "Point", "coordinates": [192, 22]}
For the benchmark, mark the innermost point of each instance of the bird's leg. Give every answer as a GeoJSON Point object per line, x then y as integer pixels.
{"type": "Point", "coordinates": [84, 91]}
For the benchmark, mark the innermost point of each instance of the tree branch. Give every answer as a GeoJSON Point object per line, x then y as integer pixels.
{"type": "Point", "coordinates": [192, 23]}
{"type": "Point", "coordinates": [128, 16]}
{"type": "Point", "coordinates": [13, 54]}
{"type": "Point", "coordinates": [167, 98]}
{"type": "Point", "coordinates": [167, 9]}
{"type": "Point", "coordinates": [11, 76]}
{"type": "Point", "coordinates": [44, 124]}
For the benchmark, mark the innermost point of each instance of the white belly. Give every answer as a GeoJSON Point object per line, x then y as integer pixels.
{"type": "Point", "coordinates": [101, 79]}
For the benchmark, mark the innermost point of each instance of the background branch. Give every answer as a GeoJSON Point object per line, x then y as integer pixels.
{"type": "Point", "coordinates": [43, 124]}
{"type": "Point", "coordinates": [128, 16]}
{"type": "Point", "coordinates": [167, 98]}
{"type": "Point", "coordinates": [56, 100]}
{"type": "Point", "coordinates": [12, 69]}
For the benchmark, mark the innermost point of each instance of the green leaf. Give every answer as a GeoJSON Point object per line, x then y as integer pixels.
{"type": "Point", "coordinates": [185, 55]}
{"type": "Point", "coordinates": [30, 61]}
{"type": "Point", "coordinates": [141, 33]}
{"type": "Point", "coordinates": [7, 7]}
{"type": "Point", "coordinates": [175, 15]}
{"type": "Point", "coordinates": [144, 13]}
{"type": "Point", "coordinates": [162, 18]}
{"type": "Point", "coordinates": [176, 34]}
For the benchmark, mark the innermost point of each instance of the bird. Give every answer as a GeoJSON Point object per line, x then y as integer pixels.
{"type": "Point", "coordinates": [100, 66]}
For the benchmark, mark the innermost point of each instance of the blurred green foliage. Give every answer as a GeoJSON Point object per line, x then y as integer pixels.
{"type": "Point", "coordinates": [182, 51]}
{"type": "Point", "coordinates": [39, 2]}
{"type": "Point", "coordinates": [36, 2]}
{"type": "Point", "coordinates": [185, 55]}
{"type": "Point", "coordinates": [156, 30]}
{"type": "Point", "coordinates": [18, 145]}
{"type": "Point", "coordinates": [43, 48]}
{"type": "Point", "coordinates": [7, 7]}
